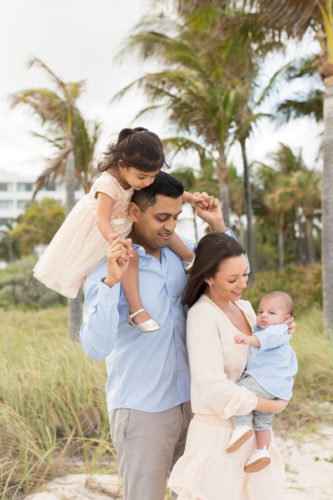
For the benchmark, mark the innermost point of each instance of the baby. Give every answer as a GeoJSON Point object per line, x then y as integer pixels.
{"type": "Point", "coordinates": [269, 373]}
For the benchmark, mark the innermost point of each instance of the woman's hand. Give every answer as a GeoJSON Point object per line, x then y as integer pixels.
{"type": "Point", "coordinates": [291, 326]}
{"type": "Point", "coordinates": [271, 405]}
{"type": "Point", "coordinates": [118, 255]}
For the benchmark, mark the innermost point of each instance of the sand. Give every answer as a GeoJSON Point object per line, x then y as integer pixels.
{"type": "Point", "coordinates": [309, 473]}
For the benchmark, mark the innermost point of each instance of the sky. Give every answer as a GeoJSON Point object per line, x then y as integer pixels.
{"type": "Point", "coordinates": [79, 40]}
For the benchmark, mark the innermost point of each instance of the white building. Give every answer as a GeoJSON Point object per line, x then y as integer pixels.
{"type": "Point", "coordinates": [16, 193]}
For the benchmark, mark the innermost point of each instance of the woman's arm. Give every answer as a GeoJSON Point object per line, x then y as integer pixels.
{"type": "Point", "coordinates": [271, 405]}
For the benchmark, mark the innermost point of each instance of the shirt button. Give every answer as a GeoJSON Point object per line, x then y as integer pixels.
{"type": "Point", "coordinates": [105, 326]}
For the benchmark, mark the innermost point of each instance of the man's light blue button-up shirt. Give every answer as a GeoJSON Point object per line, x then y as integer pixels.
{"type": "Point", "coordinates": [145, 371]}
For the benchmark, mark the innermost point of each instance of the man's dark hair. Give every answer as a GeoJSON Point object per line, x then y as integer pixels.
{"type": "Point", "coordinates": [163, 184]}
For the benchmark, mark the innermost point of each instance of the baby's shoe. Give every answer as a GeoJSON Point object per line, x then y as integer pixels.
{"type": "Point", "coordinates": [241, 434]}
{"type": "Point", "coordinates": [259, 460]}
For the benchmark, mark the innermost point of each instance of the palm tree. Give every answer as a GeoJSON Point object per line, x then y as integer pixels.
{"type": "Point", "coordinates": [194, 89]}
{"type": "Point", "coordinates": [68, 133]}
{"type": "Point", "coordinates": [304, 188]}
{"type": "Point", "coordinates": [278, 197]}
{"type": "Point", "coordinates": [294, 17]}
{"type": "Point", "coordinates": [211, 86]}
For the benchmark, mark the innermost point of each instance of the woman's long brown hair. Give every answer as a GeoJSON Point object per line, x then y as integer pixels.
{"type": "Point", "coordinates": [211, 251]}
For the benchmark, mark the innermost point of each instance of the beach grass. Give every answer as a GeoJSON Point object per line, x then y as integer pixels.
{"type": "Point", "coordinates": [52, 401]}
{"type": "Point", "coordinates": [53, 414]}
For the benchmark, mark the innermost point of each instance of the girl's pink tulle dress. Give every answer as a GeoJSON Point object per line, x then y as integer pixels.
{"type": "Point", "coordinates": [78, 246]}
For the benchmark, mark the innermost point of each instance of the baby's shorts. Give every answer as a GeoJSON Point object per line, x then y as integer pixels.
{"type": "Point", "coordinates": [262, 421]}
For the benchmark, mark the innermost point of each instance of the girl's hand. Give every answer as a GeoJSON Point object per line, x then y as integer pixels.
{"type": "Point", "coordinates": [118, 255]}
{"type": "Point", "coordinates": [200, 200]}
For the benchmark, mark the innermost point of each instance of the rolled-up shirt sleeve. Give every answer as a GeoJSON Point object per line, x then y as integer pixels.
{"type": "Point", "coordinates": [100, 319]}
{"type": "Point", "coordinates": [211, 389]}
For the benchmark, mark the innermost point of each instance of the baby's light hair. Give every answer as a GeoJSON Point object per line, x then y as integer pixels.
{"type": "Point", "coordinates": [284, 296]}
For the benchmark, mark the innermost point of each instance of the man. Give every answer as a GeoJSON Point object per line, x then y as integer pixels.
{"type": "Point", "coordinates": [148, 384]}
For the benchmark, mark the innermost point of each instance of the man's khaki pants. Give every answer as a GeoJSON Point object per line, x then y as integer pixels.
{"type": "Point", "coordinates": [148, 445]}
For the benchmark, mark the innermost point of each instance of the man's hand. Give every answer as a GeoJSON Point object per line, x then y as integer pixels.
{"type": "Point", "coordinates": [118, 255]}
{"type": "Point", "coordinates": [212, 214]}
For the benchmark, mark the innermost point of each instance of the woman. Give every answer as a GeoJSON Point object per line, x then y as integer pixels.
{"type": "Point", "coordinates": [213, 292]}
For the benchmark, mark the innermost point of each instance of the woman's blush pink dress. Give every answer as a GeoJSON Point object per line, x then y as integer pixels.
{"type": "Point", "coordinates": [79, 246]}
{"type": "Point", "coordinates": [206, 471]}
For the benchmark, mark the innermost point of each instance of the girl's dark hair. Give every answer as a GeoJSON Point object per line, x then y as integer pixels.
{"type": "Point", "coordinates": [136, 147]}
{"type": "Point", "coordinates": [212, 249]}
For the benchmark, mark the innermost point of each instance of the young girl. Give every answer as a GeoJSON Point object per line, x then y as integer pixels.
{"type": "Point", "coordinates": [82, 241]}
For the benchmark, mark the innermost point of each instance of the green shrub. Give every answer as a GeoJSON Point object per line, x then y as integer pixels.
{"type": "Point", "coordinates": [304, 284]}
{"type": "Point", "coordinates": [18, 287]}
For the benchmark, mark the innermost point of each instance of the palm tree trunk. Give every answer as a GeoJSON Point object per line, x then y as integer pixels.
{"type": "Point", "coordinates": [327, 209]}
{"type": "Point", "coordinates": [281, 246]}
{"type": "Point", "coordinates": [223, 177]}
{"type": "Point", "coordinates": [248, 210]}
{"type": "Point", "coordinates": [74, 305]}
{"type": "Point", "coordinates": [241, 230]}
{"type": "Point", "coordinates": [309, 239]}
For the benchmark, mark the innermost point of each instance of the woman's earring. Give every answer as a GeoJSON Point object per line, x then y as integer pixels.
{"type": "Point", "coordinates": [210, 291]}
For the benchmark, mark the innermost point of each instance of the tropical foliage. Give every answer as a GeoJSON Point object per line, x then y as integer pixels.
{"type": "Point", "coordinates": [38, 224]}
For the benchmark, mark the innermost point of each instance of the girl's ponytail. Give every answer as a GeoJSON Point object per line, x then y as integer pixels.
{"type": "Point", "coordinates": [136, 147]}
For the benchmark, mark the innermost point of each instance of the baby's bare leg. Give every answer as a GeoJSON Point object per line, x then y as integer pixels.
{"type": "Point", "coordinates": [179, 247]}
{"type": "Point", "coordinates": [130, 284]}
{"type": "Point", "coordinates": [263, 438]}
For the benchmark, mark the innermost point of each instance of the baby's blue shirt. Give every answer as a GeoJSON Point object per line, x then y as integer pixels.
{"type": "Point", "coordinates": [274, 363]}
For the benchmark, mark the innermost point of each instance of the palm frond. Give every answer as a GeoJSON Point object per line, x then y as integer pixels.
{"type": "Point", "coordinates": [59, 83]}
{"type": "Point", "coordinates": [271, 86]}
{"type": "Point", "coordinates": [307, 105]}
{"type": "Point", "coordinates": [50, 173]}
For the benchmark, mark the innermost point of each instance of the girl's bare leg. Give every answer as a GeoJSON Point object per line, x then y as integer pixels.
{"type": "Point", "coordinates": [179, 247]}
{"type": "Point", "coordinates": [263, 438]}
{"type": "Point", "coordinates": [130, 284]}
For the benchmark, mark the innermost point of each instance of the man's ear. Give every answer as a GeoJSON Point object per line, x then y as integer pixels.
{"type": "Point", "coordinates": [134, 211]}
